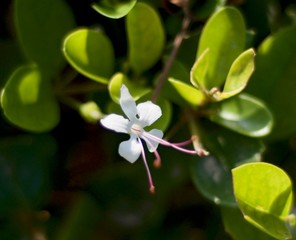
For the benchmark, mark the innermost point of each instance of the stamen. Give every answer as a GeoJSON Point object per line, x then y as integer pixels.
{"type": "Point", "coordinates": [173, 145]}
{"type": "Point", "coordinates": [152, 188]}
{"type": "Point", "coordinates": [157, 161]}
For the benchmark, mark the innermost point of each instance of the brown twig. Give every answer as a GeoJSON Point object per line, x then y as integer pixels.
{"type": "Point", "coordinates": [176, 46]}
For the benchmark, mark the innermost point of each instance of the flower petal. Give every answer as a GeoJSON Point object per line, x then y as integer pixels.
{"type": "Point", "coordinates": [127, 103]}
{"type": "Point", "coordinates": [151, 139]}
{"type": "Point", "coordinates": [130, 149]}
{"type": "Point", "coordinates": [148, 113]}
{"type": "Point", "coordinates": [116, 123]}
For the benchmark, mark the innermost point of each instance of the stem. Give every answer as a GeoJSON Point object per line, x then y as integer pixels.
{"type": "Point", "coordinates": [176, 46]}
{"type": "Point", "coordinates": [71, 102]}
{"type": "Point", "coordinates": [83, 88]}
{"type": "Point", "coordinates": [195, 133]}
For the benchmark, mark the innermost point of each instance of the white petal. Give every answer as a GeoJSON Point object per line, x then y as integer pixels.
{"type": "Point", "coordinates": [152, 143]}
{"type": "Point", "coordinates": [130, 150]}
{"type": "Point", "coordinates": [127, 103]}
{"type": "Point", "coordinates": [148, 113]}
{"type": "Point", "coordinates": [116, 123]}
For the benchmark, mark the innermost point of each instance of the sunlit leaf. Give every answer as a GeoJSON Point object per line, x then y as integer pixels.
{"type": "Point", "coordinates": [114, 9]}
{"type": "Point", "coordinates": [199, 70]}
{"type": "Point", "coordinates": [239, 74]}
{"type": "Point", "coordinates": [28, 101]}
{"type": "Point", "coordinates": [189, 93]}
{"type": "Point", "coordinates": [244, 114]}
{"type": "Point", "coordinates": [41, 26]}
{"type": "Point", "coordinates": [145, 37]}
{"type": "Point", "coordinates": [264, 194]}
{"type": "Point", "coordinates": [90, 52]}
{"type": "Point", "coordinates": [224, 36]}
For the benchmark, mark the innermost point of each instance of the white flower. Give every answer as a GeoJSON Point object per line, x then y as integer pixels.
{"type": "Point", "coordinates": [140, 116]}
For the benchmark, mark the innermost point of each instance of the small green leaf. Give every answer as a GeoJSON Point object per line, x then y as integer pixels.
{"type": "Point", "coordinates": [199, 69]}
{"type": "Point", "coordinates": [28, 101]}
{"type": "Point", "coordinates": [264, 194]}
{"type": "Point", "coordinates": [116, 82]}
{"type": "Point", "coordinates": [244, 114]}
{"type": "Point", "coordinates": [239, 74]}
{"type": "Point", "coordinates": [114, 9]}
{"type": "Point", "coordinates": [190, 94]}
{"type": "Point", "coordinates": [90, 52]}
{"type": "Point", "coordinates": [224, 36]}
{"type": "Point", "coordinates": [239, 228]}
{"type": "Point", "coordinates": [146, 37]}
{"type": "Point", "coordinates": [41, 26]}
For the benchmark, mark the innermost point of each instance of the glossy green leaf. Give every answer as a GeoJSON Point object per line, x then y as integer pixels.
{"type": "Point", "coordinates": [116, 82]}
{"type": "Point", "coordinates": [199, 70]}
{"type": "Point", "coordinates": [28, 101]}
{"type": "Point", "coordinates": [264, 194]}
{"type": "Point", "coordinates": [190, 94]}
{"type": "Point", "coordinates": [212, 174]}
{"type": "Point", "coordinates": [244, 114]}
{"type": "Point", "coordinates": [41, 26]}
{"type": "Point", "coordinates": [274, 79]}
{"type": "Point", "coordinates": [90, 52]}
{"type": "Point", "coordinates": [239, 75]}
{"type": "Point", "coordinates": [239, 228]}
{"type": "Point", "coordinates": [114, 9]}
{"type": "Point", "coordinates": [224, 36]}
{"type": "Point", "coordinates": [146, 37]}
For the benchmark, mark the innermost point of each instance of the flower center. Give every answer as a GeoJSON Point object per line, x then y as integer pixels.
{"type": "Point", "coordinates": [136, 129]}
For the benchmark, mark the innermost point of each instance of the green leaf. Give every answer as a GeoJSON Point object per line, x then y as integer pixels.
{"type": "Point", "coordinates": [116, 82]}
{"type": "Point", "coordinates": [274, 80]}
{"type": "Point", "coordinates": [239, 74]}
{"type": "Point", "coordinates": [146, 37]}
{"type": "Point", "coordinates": [28, 102]}
{"type": "Point", "coordinates": [264, 195]}
{"type": "Point", "coordinates": [244, 114]}
{"type": "Point", "coordinates": [239, 228]}
{"type": "Point", "coordinates": [41, 26]}
{"type": "Point", "coordinates": [90, 52]}
{"type": "Point", "coordinates": [212, 174]}
{"type": "Point", "coordinates": [177, 71]}
{"type": "Point", "coordinates": [114, 9]}
{"type": "Point", "coordinates": [224, 36]}
{"type": "Point", "coordinates": [192, 95]}
{"type": "Point", "coordinates": [199, 70]}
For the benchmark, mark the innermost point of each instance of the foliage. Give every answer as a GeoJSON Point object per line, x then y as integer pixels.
{"type": "Point", "coordinates": [221, 79]}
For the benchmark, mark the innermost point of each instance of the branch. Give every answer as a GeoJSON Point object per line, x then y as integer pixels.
{"type": "Point", "coordinates": [176, 46]}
